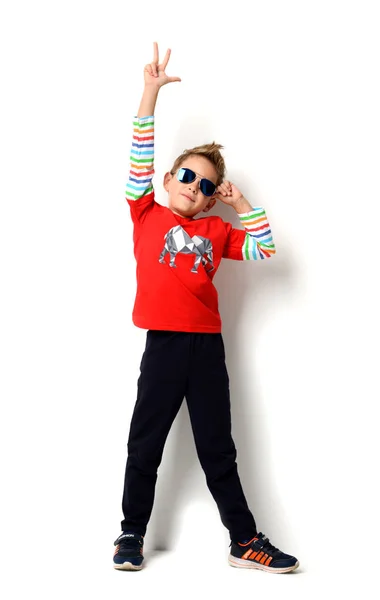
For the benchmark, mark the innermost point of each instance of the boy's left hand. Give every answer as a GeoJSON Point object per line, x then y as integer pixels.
{"type": "Point", "coordinates": [228, 193]}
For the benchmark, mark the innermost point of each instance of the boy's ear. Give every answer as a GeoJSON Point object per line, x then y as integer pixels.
{"type": "Point", "coordinates": [209, 206]}
{"type": "Point", "coordinates": [167, 178]}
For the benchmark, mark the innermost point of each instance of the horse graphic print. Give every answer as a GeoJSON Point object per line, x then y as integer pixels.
{"type": "Point", "coordinates": [177, 240]}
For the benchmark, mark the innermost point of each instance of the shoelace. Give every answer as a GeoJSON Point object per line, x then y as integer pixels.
{"type": "Point", "coordinates": [266, 543]}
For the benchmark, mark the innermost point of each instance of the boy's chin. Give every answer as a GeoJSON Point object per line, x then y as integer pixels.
{"type": "Point", "coordinates": [184, 211]}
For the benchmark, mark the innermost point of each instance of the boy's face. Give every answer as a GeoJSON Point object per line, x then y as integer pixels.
{"type": "Point", "coordinates": [186, 199]}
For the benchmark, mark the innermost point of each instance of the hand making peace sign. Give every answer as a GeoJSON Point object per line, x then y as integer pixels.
{"type": "Point", "coordinates": [154, 73]}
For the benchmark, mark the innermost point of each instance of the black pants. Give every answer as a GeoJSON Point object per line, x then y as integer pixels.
{"type": "Point", "coordinates": [177, 365]}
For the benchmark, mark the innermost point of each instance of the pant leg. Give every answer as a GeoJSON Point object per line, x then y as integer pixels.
{"type": "Point", "coordinates": [208, 399]}
{"type": "Point", "coordinates": [161, 389]}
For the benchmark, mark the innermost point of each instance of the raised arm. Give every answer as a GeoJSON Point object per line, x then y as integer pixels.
{"type": "Point", "coordinates": [142, 151]}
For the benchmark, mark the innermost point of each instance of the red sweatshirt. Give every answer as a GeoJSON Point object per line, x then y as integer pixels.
{"type": "Point", "coordinates": [177, 257]}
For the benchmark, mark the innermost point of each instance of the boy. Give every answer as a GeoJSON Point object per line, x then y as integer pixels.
{"type": "Point", "coordinates": [177, 257]}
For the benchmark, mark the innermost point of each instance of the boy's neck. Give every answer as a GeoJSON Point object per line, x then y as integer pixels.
{"type": "Point", "coordinates": [176, 214]}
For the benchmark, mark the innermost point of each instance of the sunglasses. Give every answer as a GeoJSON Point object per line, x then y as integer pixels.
{"type": "Point", "coordinates": [207, 187]}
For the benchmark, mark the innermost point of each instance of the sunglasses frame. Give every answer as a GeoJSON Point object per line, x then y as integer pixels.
{"type": "Point", "coordinates": [196, 176]}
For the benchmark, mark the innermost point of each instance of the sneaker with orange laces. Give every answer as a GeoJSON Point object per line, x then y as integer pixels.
{"type": "Point", "coordinates": [259, 553]}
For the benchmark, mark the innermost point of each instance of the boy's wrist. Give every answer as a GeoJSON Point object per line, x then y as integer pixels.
{"type": "Point", "coordinates": [242, 205]}
{"type": "Point", "coordinates": [151, 88]}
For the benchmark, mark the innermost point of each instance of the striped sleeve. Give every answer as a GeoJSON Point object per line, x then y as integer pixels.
{"type": "Point", "coordinates": [141, 159]}
{"type": "Point", "coordinates": [258, 241]}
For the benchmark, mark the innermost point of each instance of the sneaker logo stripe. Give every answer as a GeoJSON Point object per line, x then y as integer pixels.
{"type": "Point", "coordinates": [248, 553]}
{"type": "Point", "coordinates": [247, 543]}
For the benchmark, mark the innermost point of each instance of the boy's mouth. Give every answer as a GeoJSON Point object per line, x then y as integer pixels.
{"type": "Point", "coordinates": [188, 197]}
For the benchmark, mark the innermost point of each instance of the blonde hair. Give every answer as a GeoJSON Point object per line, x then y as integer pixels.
{"type": "Point", "coordinates": [209, 151]}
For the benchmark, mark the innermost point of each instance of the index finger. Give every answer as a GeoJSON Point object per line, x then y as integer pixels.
{"type": "Point", "coordinates": [155, 52]}
{"type": "Point", "coordinates": [166, 59]}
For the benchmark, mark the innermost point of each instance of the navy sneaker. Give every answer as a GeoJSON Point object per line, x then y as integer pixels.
{"type": "Point", "coordinates": [129, 551]}
{"type": "Point", "coordinates": [259, 553]}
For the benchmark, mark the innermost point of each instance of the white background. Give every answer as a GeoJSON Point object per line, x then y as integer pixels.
{"type": "Point", "coordinates": [291, 90]}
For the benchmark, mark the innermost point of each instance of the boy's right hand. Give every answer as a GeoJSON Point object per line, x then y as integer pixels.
{"type": "Point", "coordinates": [154, 73]}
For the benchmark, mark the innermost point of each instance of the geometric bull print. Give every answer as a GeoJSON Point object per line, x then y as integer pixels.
{"type": "Point", "coordinates": [177, 240]}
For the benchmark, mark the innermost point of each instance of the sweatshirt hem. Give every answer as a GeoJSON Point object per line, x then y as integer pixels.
{"type": "Point", "coordinates": [173, 327]}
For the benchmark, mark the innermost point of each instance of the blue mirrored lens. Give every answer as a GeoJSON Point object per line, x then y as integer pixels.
{"type": "Point", "coordinates": [207, 187]}
{"type": "Point", "coordinates": [186, 175]}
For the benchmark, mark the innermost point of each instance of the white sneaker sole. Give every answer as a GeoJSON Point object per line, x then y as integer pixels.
{"type": "Point", "coordinates": [127, 566]}
{"type": "Point", "coordinates": [250, 564]}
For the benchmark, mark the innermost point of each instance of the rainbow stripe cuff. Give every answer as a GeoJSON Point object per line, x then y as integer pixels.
{"type": "Point", "coordinates": [258, 241]}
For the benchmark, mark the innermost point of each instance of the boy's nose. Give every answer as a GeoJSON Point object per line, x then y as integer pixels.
{"type": "Point", "coordinates": [194, 185]}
